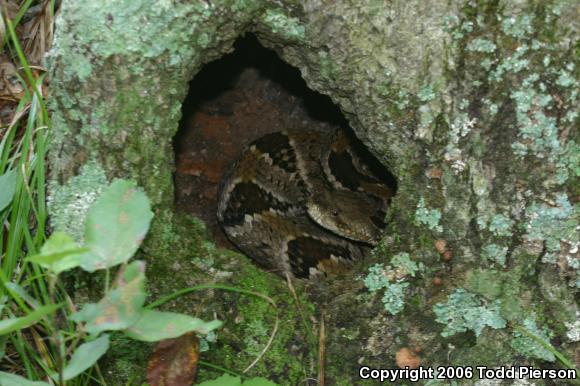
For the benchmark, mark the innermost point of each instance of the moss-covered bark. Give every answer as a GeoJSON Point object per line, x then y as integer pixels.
{"type": "Point", "coordinates": [473, 106]}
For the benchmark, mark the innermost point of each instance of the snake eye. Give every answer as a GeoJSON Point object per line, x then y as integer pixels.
{"type": "Point", "coordinates": [335, 212]}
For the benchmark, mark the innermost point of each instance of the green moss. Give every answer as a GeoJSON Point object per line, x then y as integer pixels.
{"type": "Point", "coordinates": [182, 257]}
{"type": "Point", "coordinates": [256, 337]}
{"type": "Point", "coordinates": [126, 359]}
{"type": "Point", "coordinates": [253, 326]}
{"type": "Point", "coordinates": [486, 282]}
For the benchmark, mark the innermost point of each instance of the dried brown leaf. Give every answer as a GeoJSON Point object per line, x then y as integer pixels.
{"type": "Point", "coordinates": [174, 361]}
{"type": "Point", "coordinates": [38, 32]}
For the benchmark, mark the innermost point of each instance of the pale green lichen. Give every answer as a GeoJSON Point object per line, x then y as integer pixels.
{"type": "Point", "coordinates": [567, 158]}
{"type": "Point", "coordinates": [402, 261]}
{"type": "Point", "coordinates": [100, 25]}
{"type": "Point", "coordinates": [495, 253]}
{"type": "Point", "coordinates": [69, 203]}
{"type": "Point", "coordinates": [517, 26]}
{"type": "Point", "coordinates": [394, 297]}
{"type": "Point", "coordinates": [553, 224]}
{"type": "Point", "coordinates": [481, 45]}
{"type": "Point", "coordinates": [557, 224]}
{"type": "Point", "coordinates": [492, 108]}
{"type": "Point", "coordinates": [376, 278]}
{"type": "Point", "coordinates": [428, 217]}
{"type": "Point", "coordinates": [402, 100]}
{"type": "Point", "coordinates": [541, 114]}
{"type": "Point", "coordinates": [528, 346]}
{"type": "Point", "coordinates": [206, 340]}
{"type": "Point", "coordinates": [426, 93]}
{"type": "Point", "coordinates": [425, 116]}
{"type": "Point", "coordinates": [512, 64]}
{"type": "Point", "coordinates": [573, 329]}
{"type": "Point", "coordinates": [486, 63]}
{"type": "Point", "coordinates": [566, 79]}
{"type": "Point", "coordinates": [538, 130]}
{"type": "Point", "coordinates": [460, 128]}
{"type": "Point", "coordinates": [391, 281]}
{"type": "Point", "coordinates": [289, 27]}
{"type": "Point", "coordinates": [455, 27]}
{"type": "Point", "coordinates": [500, 225]}
{"type": "Point", "coordinates": [466, 311]}
{"type": "Point", "coordinates": [546, 60]}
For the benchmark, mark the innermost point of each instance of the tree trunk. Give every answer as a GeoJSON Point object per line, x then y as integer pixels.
{"type": "Point", "coordinates": [472, 105]}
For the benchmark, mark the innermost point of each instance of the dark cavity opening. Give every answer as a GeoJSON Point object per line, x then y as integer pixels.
{"type": "Point", "coordinates": [234, 101]}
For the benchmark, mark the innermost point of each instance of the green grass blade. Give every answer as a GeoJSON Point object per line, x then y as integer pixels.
{"type": "Point", "coordinates": [14, 324]}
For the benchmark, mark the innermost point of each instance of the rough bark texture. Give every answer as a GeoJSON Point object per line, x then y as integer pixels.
{"type": "Point", "coordinates": [472, 105]}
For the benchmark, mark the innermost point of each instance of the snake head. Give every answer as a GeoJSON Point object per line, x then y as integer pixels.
{"type": "Point", "coordinates": [347, 214]}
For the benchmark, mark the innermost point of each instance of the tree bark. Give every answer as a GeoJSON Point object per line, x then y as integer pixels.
{"type": "Point", "coordinates": [472, 105]}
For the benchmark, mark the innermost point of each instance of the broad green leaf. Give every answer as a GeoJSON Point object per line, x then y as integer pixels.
{"type": "Point", "coordinates": [115, 226]}
{"type": "Point", "coordinates": [224, 380]}
{"type": "Point", "coordinates": [7, 188]}
{"type": "Point", "coordinates": [258, 382]}
{"type": "Point", "coordinates": [59, 253]}
{"type": "Point", "coordinates": [85, 356]}
{"type": "Point", "coordinates": [8, 379]}
{"type": "Point", "coordinates": [13, 324]}
{"type": "Point", "coordinates": [229, 380]}
{"type": "Point", "coordinates": [121, 307]}
{"type": "Point", "coordinates": [156, 325]}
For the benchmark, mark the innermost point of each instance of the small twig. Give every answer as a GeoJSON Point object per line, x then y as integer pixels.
{"type": "Point", "coordinates": [311, 336]}
{"type": "Point", "coordinates": [32, 66]}
{"type": "Point", "coordinates": [219, 368]}
{"type": "Point", "coordinates": [321, 351]}
{"type": "Point", "coordinates": [307, 381]}
{"type": "Point", "coordinates": [274, 331]}
{"type": "Point", "coordinates": [100, 374]}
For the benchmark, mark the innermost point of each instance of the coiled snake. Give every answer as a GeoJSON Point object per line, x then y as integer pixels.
{"type": "Point", "coordinates": [303, 203]}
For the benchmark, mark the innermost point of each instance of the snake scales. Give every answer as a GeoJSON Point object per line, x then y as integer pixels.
{"type": "Point", "coordinates": [303, 203]}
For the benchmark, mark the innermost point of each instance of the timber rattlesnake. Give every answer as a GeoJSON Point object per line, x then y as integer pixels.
{"type": "Point", "coordinates": [303, 203]}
